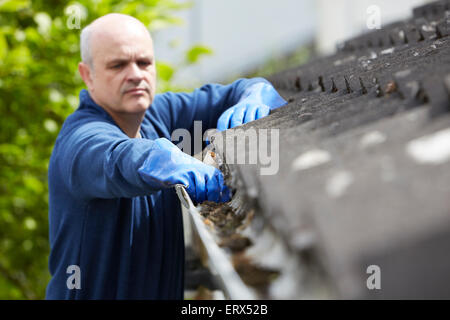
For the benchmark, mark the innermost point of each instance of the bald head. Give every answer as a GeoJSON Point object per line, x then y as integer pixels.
{"type": "Point", "coordinates": [108, 28]}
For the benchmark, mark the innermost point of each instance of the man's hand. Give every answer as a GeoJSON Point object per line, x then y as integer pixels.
{"type": "Point", "coordinates": [255, 103]}
{"type": "Point", "coordinates": [167, 166]}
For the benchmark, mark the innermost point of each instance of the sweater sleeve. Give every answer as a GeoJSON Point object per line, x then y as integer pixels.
{"type": "Point", "coordinates": [205, 104]}
{"type": "Point", "coordinates": [97, 160]}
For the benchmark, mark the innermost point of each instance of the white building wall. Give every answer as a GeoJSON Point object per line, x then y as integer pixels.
{"type": "Point", "coordinates": [245, 33]}
{"type": "Point", "coordinates": [242, 33]}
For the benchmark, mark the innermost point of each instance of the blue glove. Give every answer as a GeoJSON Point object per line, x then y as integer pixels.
{"type": "Point", "coordinates": [255, 103]}
{"type": "Point", "coordinates": [166, 166]}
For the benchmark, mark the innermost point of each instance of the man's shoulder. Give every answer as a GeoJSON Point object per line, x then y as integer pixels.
{"type": "Point", "coordinates": [85, 120]}
{"type": "Point", "coordinates": [164, 97]}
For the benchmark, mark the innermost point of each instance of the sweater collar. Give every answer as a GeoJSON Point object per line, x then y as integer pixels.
{"type": "Point", "coordinates": [86, 101]}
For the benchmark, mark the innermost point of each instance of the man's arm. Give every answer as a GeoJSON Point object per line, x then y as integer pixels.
{"type": "Point", "coordinates": [206, 104]}
{"type": "Point", "coordinates": [97, 160]}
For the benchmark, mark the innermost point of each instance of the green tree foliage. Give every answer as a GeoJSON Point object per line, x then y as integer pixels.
{"type": "Point", "coordinates": [39, 86]}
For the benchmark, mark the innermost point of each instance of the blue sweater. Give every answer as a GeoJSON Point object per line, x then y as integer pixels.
{"type": "Point", "coordinates": [125, 238]}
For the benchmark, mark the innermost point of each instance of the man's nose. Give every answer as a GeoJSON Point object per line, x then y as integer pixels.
{"type": "Point", "coordinates": [134, 73]}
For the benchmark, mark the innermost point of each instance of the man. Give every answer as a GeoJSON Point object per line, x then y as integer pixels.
{"type": "Point", "coordinates": [115, 220]}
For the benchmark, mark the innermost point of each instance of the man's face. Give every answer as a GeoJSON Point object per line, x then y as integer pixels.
{"type": "Point", "coordinates": [123, 78]}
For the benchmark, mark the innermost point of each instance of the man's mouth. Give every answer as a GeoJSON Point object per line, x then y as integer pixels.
{"type": "Point", "coordinates": [136, 91]}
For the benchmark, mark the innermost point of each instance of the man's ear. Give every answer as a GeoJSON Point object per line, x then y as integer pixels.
{"type": "Point", "coordinates": [86, 74]}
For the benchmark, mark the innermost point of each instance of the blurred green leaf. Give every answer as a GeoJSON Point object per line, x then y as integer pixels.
{"type": "Point", "coordinates": [3, 47]}
{"type": "Point", "coordinates": [13, 5]}
{"type": "Point", "coordinates": [164, 71]}
{"type": "Point", "coordinates": [196, 52]}
{"type": "Point", "coordinates": [33, 184]}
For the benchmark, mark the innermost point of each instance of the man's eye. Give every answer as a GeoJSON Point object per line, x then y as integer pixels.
{"type": "Point", "coordinates": [117, 66]}
{"type": "Point", "coordinates": [144, 63]}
